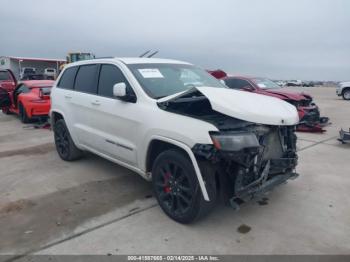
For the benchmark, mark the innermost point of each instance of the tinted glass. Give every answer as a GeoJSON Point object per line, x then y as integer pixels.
{"type": "Point", "coordinates": [23, 89]}
{"type": "Point", "coordinates": [109, 76]}
{"type": "Point", "coordinates": [46, 91]}
{"type": "Point", "coordinates": [236, 83]}
{"type": "Point", "coordinates": [67, 79]}
{"type": "Point", "coordinates": [4, 75]}
{"type": "Point", "coordinates": [86, 80]}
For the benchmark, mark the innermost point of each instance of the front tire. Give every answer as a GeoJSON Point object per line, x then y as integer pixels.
{"type": "Point", "coordinates": [346, 94]}
{"type": "Point", "coordinates": [176, 187]}
{"type": "Point", "coordinates": [65, 146]}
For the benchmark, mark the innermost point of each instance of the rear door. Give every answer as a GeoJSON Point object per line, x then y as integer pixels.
{"type": "Point", "coordinates": [83, 103]}
{"type": "Point", "coordinates": [62, 97]}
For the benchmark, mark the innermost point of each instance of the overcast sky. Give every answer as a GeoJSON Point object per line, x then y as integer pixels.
{"type": "Point", "coordinates": [289, 39]}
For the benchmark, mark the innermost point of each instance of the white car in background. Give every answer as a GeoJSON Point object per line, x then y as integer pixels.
{"type": "Point", "coordinates": [50, 73]}
{"type": "Point", "coordinates": [343, 89]}
{"type": "Point", "coordinates": [177, 126]}
{"type": "Point", "coordinates": [27, 71]}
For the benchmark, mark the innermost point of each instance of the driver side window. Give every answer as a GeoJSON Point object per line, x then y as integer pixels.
{"type": "Point", "coordinates": [21, 88]}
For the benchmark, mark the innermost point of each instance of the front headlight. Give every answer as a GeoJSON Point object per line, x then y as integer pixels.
{"type": "Point", "coordinates": [234, 141]}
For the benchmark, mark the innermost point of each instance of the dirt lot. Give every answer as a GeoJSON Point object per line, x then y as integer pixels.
{"type": "Point", "coordinates": [92, 206]}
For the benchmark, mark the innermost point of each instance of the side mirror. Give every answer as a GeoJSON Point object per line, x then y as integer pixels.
{"type": "Point", "coordinates": [120, 91]}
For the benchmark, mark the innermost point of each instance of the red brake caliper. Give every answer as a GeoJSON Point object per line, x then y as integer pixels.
{"type": "Point", "coordinates": [167, 188]}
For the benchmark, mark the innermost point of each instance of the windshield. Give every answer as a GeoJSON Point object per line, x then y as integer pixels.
{"type": "Point", "coordinates": [264, 83]}
{"type": "Point", "coordinates": [5, 76]}
{"type": "Point", "coordinates": [161, 80]}
{"type": "Point", "coordinates": [29, 70]}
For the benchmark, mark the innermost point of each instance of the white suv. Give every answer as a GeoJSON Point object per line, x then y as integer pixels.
{"type": "Point", "coordinates": [176, 125]}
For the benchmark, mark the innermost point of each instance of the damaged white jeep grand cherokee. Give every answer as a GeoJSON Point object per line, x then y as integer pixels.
{"type": "Point", "coordinates": [177, 126]}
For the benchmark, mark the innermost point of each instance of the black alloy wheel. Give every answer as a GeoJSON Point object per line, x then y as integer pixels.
{"type": "Point", "coordinates": [65, 146]}
{"type": "Point", "coordinates": [176, 187]}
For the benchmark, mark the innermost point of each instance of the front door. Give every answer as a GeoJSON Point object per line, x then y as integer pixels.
{"type": "Point", "coordinates": [115, 123]}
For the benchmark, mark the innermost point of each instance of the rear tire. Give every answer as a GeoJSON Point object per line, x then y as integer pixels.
{"type": "Point", "coordinates": [65, 146]}
{"type": "Point", "coordinates": [346, 94]}
{"type": "Point", "coordinates": [176, 187]}
{"type": "Point", "coordinates": [23, 114]}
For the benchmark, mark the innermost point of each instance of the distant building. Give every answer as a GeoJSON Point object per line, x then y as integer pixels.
{"type": "Point", "coordinates": [15, 64]}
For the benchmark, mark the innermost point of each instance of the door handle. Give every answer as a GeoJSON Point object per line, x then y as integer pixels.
{"type": "Point", "coordinates": [96, 103]}
{"type": "Point", "coordinates": [67, 97]}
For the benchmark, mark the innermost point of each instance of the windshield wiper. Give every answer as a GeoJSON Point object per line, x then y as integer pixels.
{"type": "Point", "coordinates": [159, 97]}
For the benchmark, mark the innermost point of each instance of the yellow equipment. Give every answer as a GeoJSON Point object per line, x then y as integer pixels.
{"type": "Point", "coordinates": [77, 56]}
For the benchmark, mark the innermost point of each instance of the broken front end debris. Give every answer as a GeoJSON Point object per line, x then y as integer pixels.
{"type": "Point", "coordinates": [344, 136]}
{"type": "Point", "coordinates": [251, 161]}
{"type": "Point", "coordinates": [245, 159]}
{"type": "Point", "coordinates": [310, 118]}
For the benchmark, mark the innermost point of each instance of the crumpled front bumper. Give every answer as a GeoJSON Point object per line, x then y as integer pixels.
{"type": "Point", "coordinates": [311, 121]}
{"type": "Point", "coordinates": [266, 182]}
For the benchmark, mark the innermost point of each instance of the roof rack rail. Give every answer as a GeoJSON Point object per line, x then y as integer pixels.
{"type": "Point", "coordinates": [147, 52]}
{"type": "Point", "coordinates": [154, 53]}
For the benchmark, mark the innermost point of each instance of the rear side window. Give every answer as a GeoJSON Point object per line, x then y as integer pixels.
{"type": "Point", "coordinates": [4, 75]}
{"type": "Point", "coordinates": [67, 79]}
{"type": "Point", "coordinates": [23, 89]}
{"type": "Point", "coordinates": [109, 76]}
{"type": "Point", "coordinates": [86, 80]}
{"type": "Point", "coordinates": [237, 83]}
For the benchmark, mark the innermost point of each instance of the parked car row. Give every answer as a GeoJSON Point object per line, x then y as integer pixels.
{"type": "Point", "coordinates": [30, 73]}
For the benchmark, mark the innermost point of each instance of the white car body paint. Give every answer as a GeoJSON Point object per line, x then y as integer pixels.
{"type": "Point", "coordinates": [122, 132]}
{"type": "Point", "coordinates": [251, 107]}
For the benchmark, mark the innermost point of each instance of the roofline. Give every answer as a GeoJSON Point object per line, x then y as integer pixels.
{"type": "Point", "coordinates": [122, 60]}
{"type": "Point", "coordinates": [35, 59]}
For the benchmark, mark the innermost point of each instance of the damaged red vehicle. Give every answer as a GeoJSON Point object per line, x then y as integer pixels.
{"type": "Point", "coordinates": [7, 80]}
{"type": "Point", "coordinates": [309, 113]}
{"type": "Point", "coordinates": [29, 100]}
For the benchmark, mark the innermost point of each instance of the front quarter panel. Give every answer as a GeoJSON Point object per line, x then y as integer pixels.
{"type": "Point", "coordinates": [187, 130]}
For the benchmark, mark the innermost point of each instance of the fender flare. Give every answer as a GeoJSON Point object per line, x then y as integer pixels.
{"type": "Point", "coordinates": [52, 111]}
{"type": "Point", "coordinates": [193, 159]}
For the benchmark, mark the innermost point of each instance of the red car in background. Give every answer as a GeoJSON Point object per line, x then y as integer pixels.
{"type": "Point", "coordinates": [30, 99]}
{"type": "Point", "coordinates": [309, 113]}
{"type": "Point", "coordinates": [7, 80]}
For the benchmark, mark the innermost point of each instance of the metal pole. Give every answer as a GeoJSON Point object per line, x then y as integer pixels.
{"type": "Point", "coordinates": [20, 69]}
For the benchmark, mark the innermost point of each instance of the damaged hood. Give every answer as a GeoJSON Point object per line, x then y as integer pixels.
{"type": "Point", "coordinates": [245, 106]}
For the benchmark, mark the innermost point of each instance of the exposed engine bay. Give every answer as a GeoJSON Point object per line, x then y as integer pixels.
{"type": "Point", "coordinates": [249, 158]}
